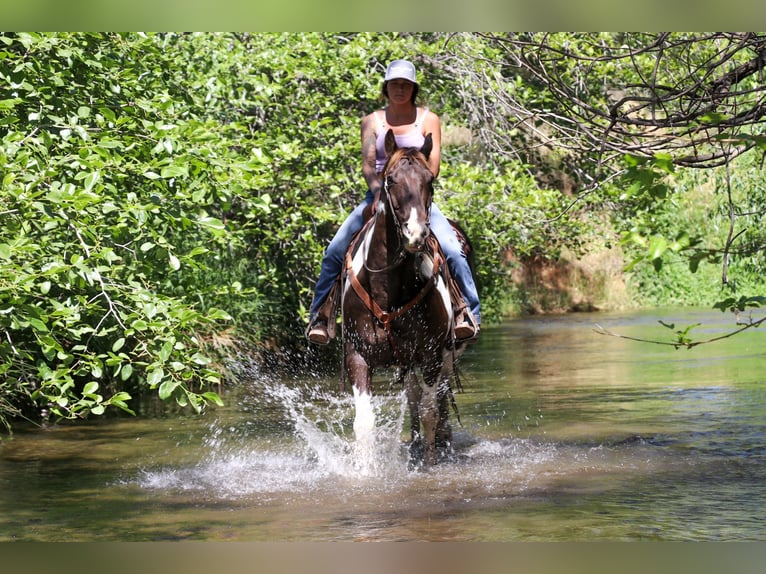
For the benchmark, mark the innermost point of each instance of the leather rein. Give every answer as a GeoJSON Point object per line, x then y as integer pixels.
{"type": "Point", "coordinates": [387, 317]}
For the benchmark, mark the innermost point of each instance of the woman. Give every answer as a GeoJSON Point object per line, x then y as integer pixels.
{"type": "Point", "coordinates": [410, 124]}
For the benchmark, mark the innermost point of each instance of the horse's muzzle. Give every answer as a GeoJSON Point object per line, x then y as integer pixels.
{"type": "Point", "coordinates": [415, 237]}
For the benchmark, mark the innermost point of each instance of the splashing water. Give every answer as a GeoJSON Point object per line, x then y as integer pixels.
{"type": "Point", "coordinates": [319, 420]}
{"type": "Point", "coordinates": [316, 456]}
{"type": "Point", "coordinates": [321, 447]}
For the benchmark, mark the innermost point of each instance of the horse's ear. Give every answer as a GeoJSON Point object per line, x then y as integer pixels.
{"type": "Point", "coordinates": [390, 143]}
{"type": "Point", "coordinates": [428, 145]}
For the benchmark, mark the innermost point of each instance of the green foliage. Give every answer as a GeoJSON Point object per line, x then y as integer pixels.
{"type": "Point", "coordinates": [679, 221]}
{"type": "Point", "coordinates": [682, 334]}
{"type": "Point", "coordinates": [106, 200]}
{"type": "Point", "coordinates": [507, 217]}
{"type": "Point", "coordinates": [166, 198]}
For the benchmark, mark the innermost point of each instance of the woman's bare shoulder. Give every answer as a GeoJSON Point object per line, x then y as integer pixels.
{"type": "Point", "coordinates": [430, 116]}
{"type": "Point", "coordinates": [372, 117]}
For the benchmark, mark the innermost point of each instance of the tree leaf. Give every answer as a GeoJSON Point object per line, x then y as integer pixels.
{"type": "Point", "coordinates": [90, 388]}
{"type": "Point", "coordinates": [657, 246]}
{"type": "Point", "coordinates": [154, 376]}
{"type": "Point", "coordinates": [167, 388]}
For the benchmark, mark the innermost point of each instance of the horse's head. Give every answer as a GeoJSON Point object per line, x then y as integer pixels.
{"type": "Point", "coordinates": [408, 190]}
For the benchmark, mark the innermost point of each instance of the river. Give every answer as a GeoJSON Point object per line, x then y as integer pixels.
{"type": "Point", "coordinates": [565, 434]}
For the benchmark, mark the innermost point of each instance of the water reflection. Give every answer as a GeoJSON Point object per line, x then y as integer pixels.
{"type": "Point", "coordinates": [566, 435]}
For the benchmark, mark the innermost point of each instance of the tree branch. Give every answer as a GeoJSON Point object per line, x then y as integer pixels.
{"type": "Point", "coordinates": [680, 343]}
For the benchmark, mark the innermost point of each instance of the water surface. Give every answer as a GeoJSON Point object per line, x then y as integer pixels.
{"type": "Point", "coordinates": [565, 434]}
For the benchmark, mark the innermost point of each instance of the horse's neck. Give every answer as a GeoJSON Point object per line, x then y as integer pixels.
{"type": "Point", "coordinates": [386, 263]}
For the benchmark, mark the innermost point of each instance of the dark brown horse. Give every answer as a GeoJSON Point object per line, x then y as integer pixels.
{"type": "Point", "coordinates": [396, 304]}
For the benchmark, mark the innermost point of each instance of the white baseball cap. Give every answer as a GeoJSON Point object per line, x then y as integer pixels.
{"type": "Point", "coordinates": [401, 69]}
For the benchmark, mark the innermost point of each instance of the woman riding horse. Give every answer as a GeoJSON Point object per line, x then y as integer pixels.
{"type": "Point", "coordinates": [410, 124]}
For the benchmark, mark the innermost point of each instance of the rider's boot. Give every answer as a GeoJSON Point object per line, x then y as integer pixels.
{"type": "Point", "coordinates": [321, 329]}
{"type": "Point", "coordinates": [466, 326]}
{"type": "Point", "coordinates": [317, 332]}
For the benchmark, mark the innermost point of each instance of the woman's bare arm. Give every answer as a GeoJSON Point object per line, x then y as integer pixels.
{"type": "Point", "coordinates": [368, 153]}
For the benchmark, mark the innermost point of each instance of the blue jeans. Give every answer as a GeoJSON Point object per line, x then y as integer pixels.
{"type": "Point", "coordinates": [332, 263]}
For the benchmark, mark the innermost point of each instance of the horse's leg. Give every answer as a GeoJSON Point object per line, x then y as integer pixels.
{"type": "Point", "coordinates": [364, 415]}
{"type": "Point", "coordinates": [429, 412]}
{"type": "Point", "coordinates": [414, 392]}
{"type": "Point", "coordinates": [443, 428]}
{"type": "Point", "coordinates": [412, 386]}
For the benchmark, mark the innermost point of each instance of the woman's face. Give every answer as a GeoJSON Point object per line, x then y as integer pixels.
{"type": "Point", "coordinates": [400, 91]}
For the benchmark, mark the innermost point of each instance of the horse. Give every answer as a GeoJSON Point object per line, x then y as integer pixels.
{"type": "Point", "coordinates": [396, 304]}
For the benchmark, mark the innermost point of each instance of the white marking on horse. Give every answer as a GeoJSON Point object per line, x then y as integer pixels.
{"type": "Point", "coordinates": [413, 229]}
{"type": "Point", "coordinates": [364, 420]}
{"type": "Point", "coordinates": [426, 271]}
{"type": "Point", "coordinates": [364, 433]}
{"type": "Point", "coordinates": [357, 261]}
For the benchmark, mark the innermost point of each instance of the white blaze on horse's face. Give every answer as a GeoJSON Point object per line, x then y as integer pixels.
{"type": "Point", "coordinates": [414, 231]}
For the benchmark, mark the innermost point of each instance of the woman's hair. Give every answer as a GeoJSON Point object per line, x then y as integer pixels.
{"type": "Point", "coordinates": [413, 99]}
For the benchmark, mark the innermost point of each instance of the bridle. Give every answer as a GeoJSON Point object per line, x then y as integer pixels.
{"type": "Point", "coordinates": [387, 317]}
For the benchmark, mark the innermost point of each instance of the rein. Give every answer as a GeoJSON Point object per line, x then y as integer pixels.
{"type": "Point", "coordinates": [384, 317]}
{"type": "Point", "coordinates": [387, 317]}
{"type": "Point", "coordinates": [397, 224]}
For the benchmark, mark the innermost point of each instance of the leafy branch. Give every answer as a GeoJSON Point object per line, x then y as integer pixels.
{"type": "Point", "coordinates": [682, 334]}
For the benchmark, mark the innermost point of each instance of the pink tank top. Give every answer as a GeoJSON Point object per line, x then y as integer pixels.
{"type": "Point", "coordinates": [412, 138]}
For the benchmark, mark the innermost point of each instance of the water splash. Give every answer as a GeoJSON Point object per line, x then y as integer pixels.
{"type": "Point", "coordinates": [322, 422]}
{"type": "Point", "coordinates": [314, 453]}
{"type": "Point", "coordinates": [319, 449]}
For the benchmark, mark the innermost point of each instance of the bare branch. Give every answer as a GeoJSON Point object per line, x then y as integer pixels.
{"type": "Point", "coordinates": [669, 93]}
{"type": "Point", "coordinates": [680, 343]}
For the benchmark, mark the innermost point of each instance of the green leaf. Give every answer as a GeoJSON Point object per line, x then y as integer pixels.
{"type": "Point", "coordinates": [213, 224]}
{"type": "Point", "coordinates": [38, 325]}
{"type": "Point", "coordinates": [165, 351]}
{"type": "Point", "coordinates": [118, 344]}
{"type": "Point", "coordinates": [126, 371]}
{"type": "Point", "coordinates": [218, 314]}
{"type": "Point", "coordinates": [90, 388]}
{"type": "Point", "coordinates": [9, 104]}
{"type": "Point", "coordinates": [213, 398]}
{"type": "Point", "coordinates": [657, 246]}
{"type": "Point", "coordinates": [712, 118]}
{"type": "Point", "coordinates": [92, 179]}
{"type": "Point", "coordinates": [167, 388]}
{"type": "Point", "coordinates": [155, 376]}
{"type": "Point", "coordinates": [108, 113]}
{"type": "Point", "coordinates": [664, 161]}
{"type": "Point", "coordinates": [174, 171]}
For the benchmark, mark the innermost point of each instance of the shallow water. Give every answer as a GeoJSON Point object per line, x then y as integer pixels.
{"type": "Point", "coordinates": [565, 434]}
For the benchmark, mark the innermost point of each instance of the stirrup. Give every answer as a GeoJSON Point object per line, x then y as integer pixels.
{"type": "Point", "coordinates": [467, 328]}
{"type": "Point", "coordinates": [321, 329]}
{"type": "Point", "coordinates": [317, 332]}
